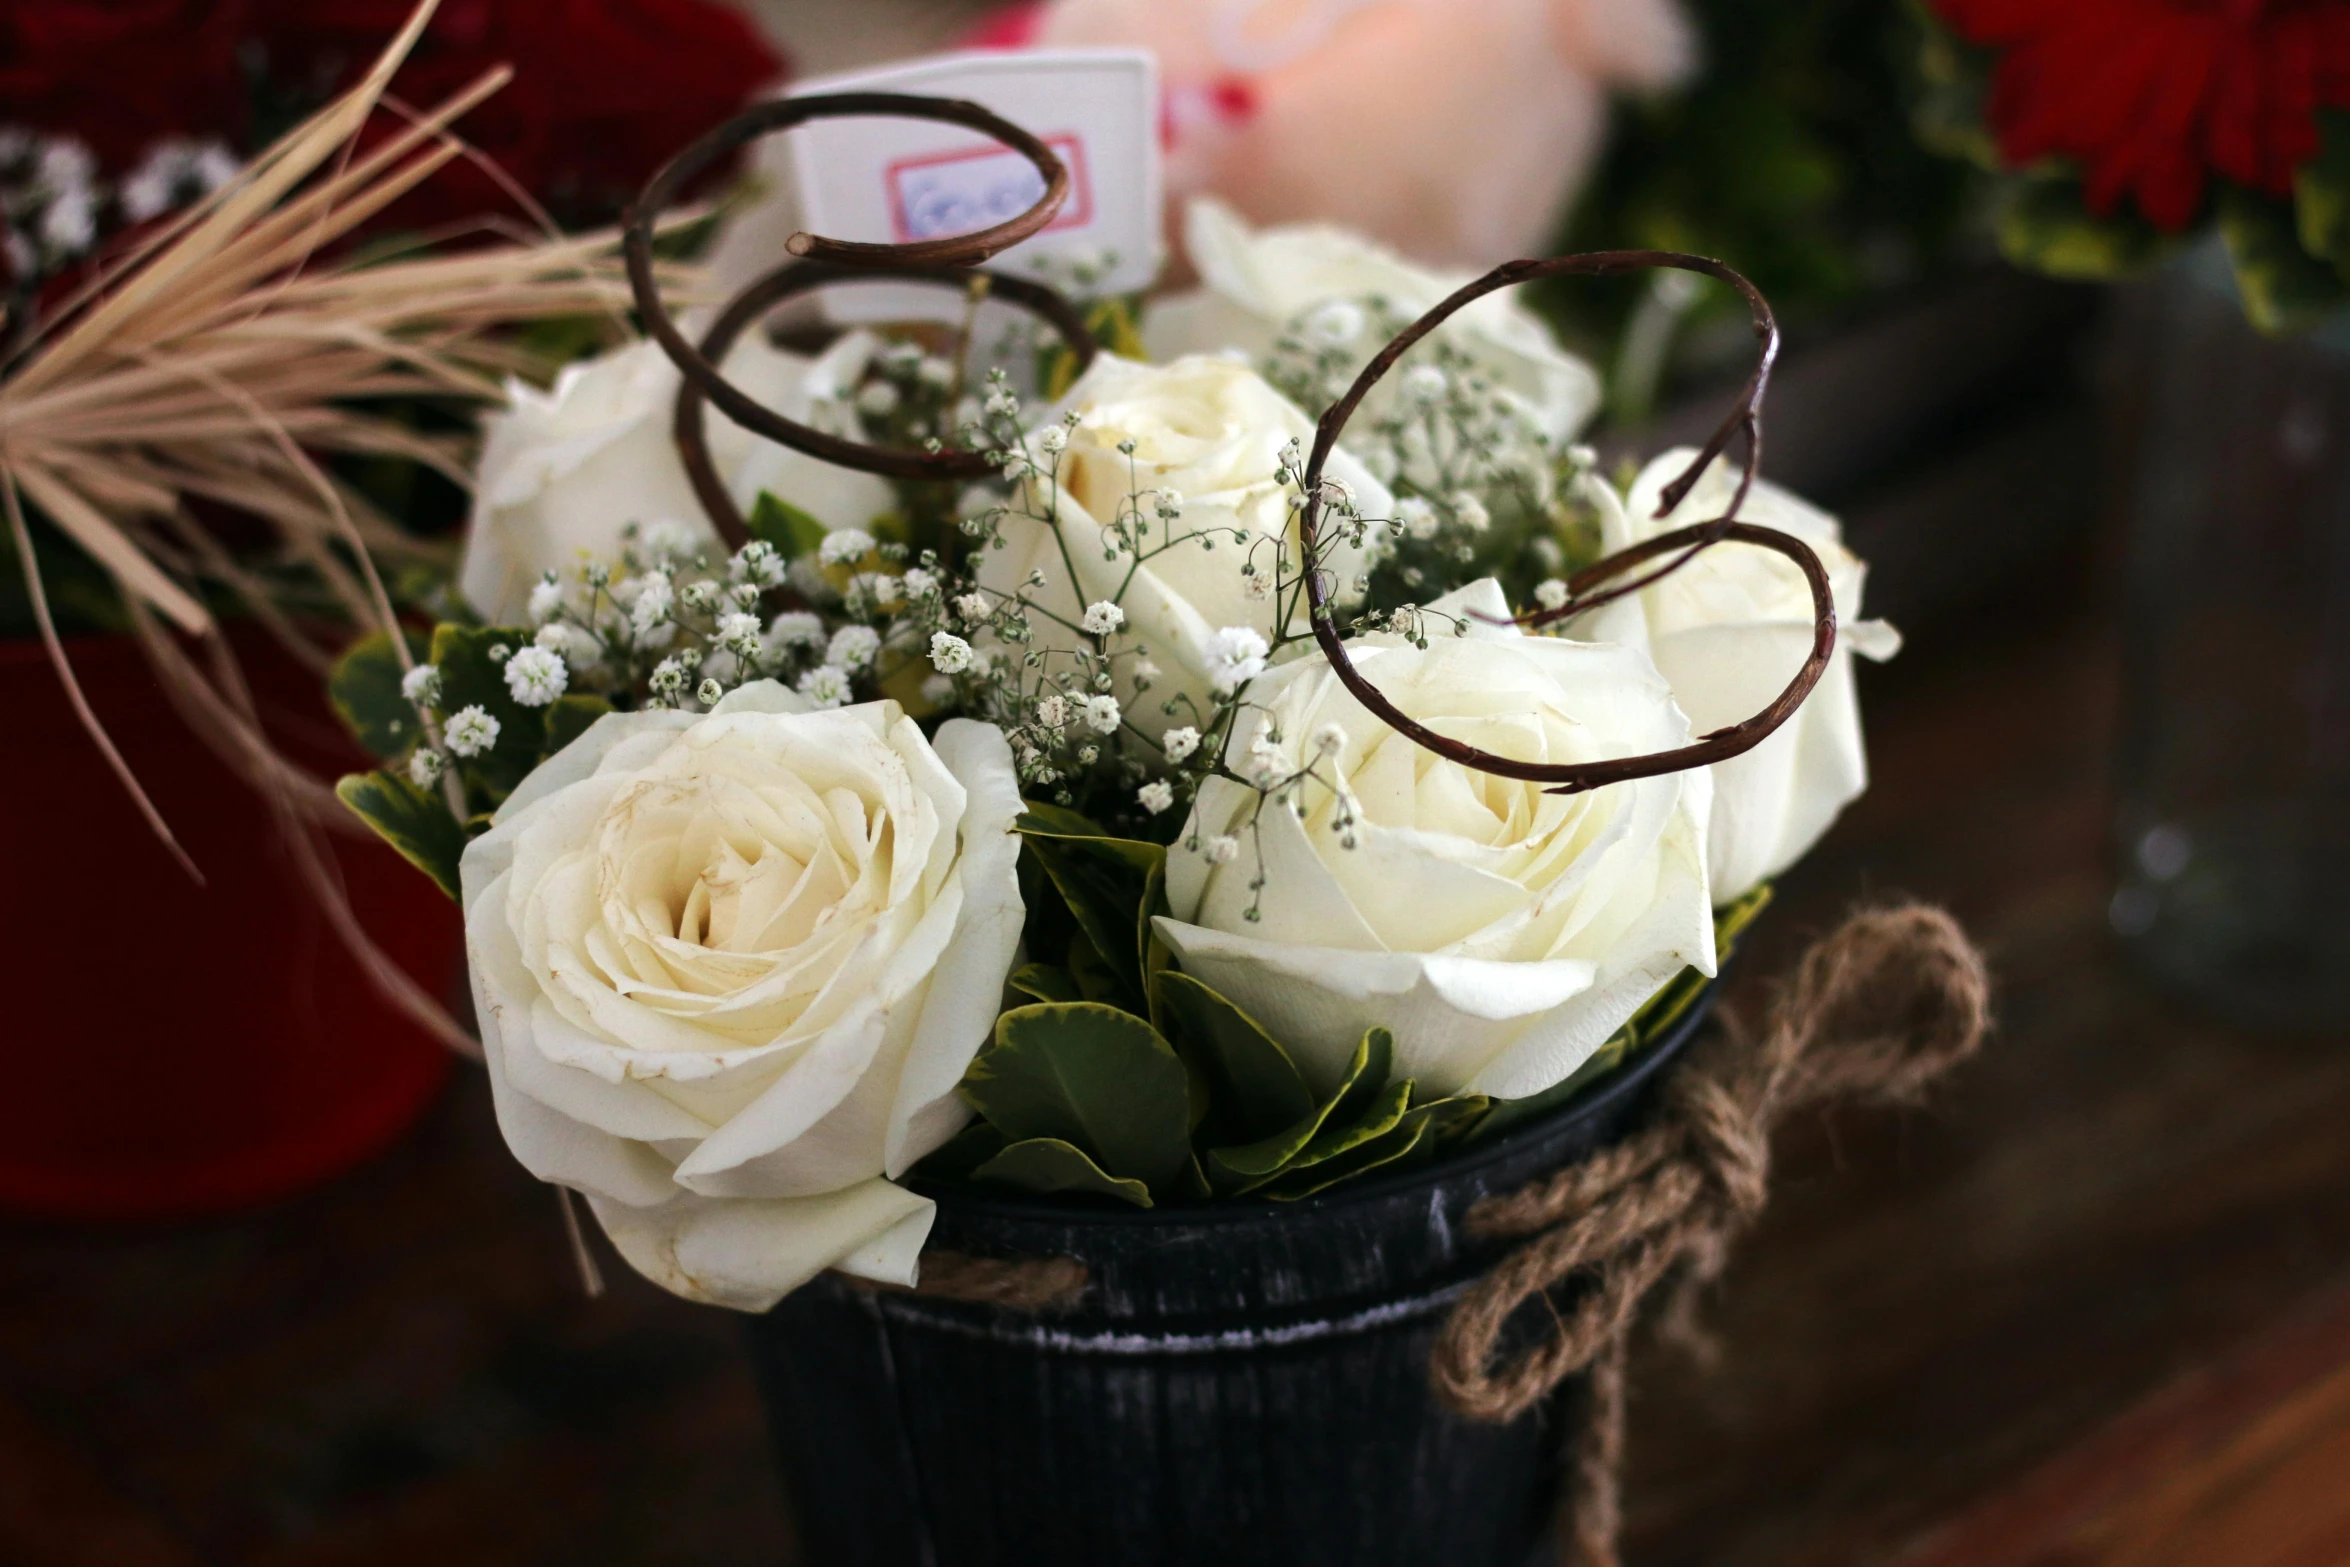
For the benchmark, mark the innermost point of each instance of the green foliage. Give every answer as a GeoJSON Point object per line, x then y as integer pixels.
{"type": "Point", "coordinates": [2283, 286]}
{"type": "Point", "coordinates": [1110, 887]}
{"type": "Point", "coordinates": [473, 675]}
{"type": "Point", "coordinates": [2321, 193]}
{"type": "Point", "coordinates": [2045, 227]}
{"type": "Point", "coordinates": [411, 821]}
{"type": "Point", "coordinates": [778, 522]}
{"type": "Point", "coordinates": [365, 689]}
{"type": "Point", "coordinates": [1247, 1071]}
{"type": "Point", "coordinates": [1047, 1164]}
{"type": "Point", "coordinates": [1089, 1075]}
{"type": "Point", "coordinates": [571, 716]}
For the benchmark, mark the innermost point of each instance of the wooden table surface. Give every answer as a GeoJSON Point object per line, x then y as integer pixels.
{"type": "Point", "coordinates": [2091, 1307]}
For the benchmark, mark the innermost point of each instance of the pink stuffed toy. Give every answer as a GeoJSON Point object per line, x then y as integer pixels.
{"type": "Point", "coordinates": [1454, 130]}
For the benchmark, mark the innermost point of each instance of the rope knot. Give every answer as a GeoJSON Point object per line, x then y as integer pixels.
{"type": "Point", "coordinates": [1877, 1010]}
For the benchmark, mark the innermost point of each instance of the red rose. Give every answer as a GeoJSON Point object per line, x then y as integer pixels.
{"type": "Point", "coordinates": [120, 74]}
{"type": "Point", "coordinates": [2151, 96]}
{"type": "Point", "coordinates": [603, 91]}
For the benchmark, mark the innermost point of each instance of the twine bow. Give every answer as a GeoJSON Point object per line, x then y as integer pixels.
{"type": "Point", "coordinates": [1877, 1011]}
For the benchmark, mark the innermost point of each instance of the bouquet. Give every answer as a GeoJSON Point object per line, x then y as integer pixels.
{"type": "Point", "coordinates": [1205, 777]}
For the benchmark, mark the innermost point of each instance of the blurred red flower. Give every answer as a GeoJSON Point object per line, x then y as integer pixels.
{"type": "Point", "coordinates": [2152, 96]}
{"type": "Point", "coordinates": [603, 90]}
{"type": "Point", "coordinates": [122, 74]}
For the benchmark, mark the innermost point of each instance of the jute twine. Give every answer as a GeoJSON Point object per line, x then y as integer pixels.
{"type": "Point", "coordinates": [1876, 1012]}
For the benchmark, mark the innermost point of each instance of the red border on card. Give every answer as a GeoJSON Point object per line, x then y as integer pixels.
{"type": "Point", "coordinates": [1075, 213]}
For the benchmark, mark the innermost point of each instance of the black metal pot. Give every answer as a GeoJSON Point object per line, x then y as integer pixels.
{"type": "Point", "coordinates": [1242, 1383]}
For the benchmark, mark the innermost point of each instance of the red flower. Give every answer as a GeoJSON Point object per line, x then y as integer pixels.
{"type": "Point", "coordinates": [604, 91]}
{"type": "Point", "coordinates": [2151, 96]}
{"type": "Point", "coordinates": [121, 74]}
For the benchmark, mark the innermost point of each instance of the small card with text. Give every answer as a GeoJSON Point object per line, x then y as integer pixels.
{"type": "Point", "coordinates": [898, 180]}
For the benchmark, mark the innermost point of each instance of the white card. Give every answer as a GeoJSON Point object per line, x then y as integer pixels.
{"type": "Point", "coordinates": [897, 180]}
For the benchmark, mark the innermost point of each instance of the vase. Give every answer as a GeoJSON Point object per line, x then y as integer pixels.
{"type": "Point", "coordinates": [2233, 818]}
{"type": "Point", "coordinates": [189, 1048]}
{"type": "Point", "coordinates": [1243, 1384]}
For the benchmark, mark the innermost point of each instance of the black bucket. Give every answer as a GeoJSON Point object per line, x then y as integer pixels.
{"type": "Point", "coordinates": [1242, 1384]}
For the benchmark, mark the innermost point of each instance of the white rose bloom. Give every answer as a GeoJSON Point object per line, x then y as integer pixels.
{"type": "Point", "coordinates": [1729, 630]}
{"type": "Point", "coordinates": [563, 471]}
{"type": "Point", "coordinates": [1213, 430]}
{"type": "Point", "coordinates": [729, 970]}
{"type": "Point", "coordinates": [1256, 283]}
{"type": "Point", "coordinates": [1503, 933]}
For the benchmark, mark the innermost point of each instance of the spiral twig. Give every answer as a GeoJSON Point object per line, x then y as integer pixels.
{"type": "Point", "coordinates": [1681, 545]}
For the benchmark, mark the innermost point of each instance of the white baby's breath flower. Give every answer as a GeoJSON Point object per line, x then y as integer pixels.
{"type": "Point", "coordinates": [853, 647]}
{"type": "Point", "coordinates": [844, 545]}
{"type": "Point", "coordinates": [422, 684]}
{"type": "Point", "coordinates": [1101, 714]}
{"type": "Point", "coordinates": [1180, 743]}
{"type": "Point", "coordinates": [826, 686]}
{"type": "Point", "coordinates": [545, 600]}
{"type": "Point", "coordinates": [1417, 516]}
{"type": "Point", "coordinates": [877, 399]}
{"type": "Point", "coordinates": [1334, 324]}
{"type": "Point", "coordinates": [1424, 384]}
{"type": "Point", "coordinates": [649, 606]}
{"type": "Point", "coordinates": [738, 633]}
{"type": "Point", "coordinates": [424, 769]}
{"type": "Point", "coordinates": [1221, 849]}
{"type": "Point", "coordinates": [937, 690]}
{"type": "Point", "coordinates": [1329, 740]}
{"type": "Point", "coordinates": [797, 630]}
{"type": "Point", "coordinates": [973, 607]}
{"type": "Point", "coordinates": [918, 583]}
{"type": "Point", "coordinates": [471, 730]}
{"type": "Point", "coordinates": [1469, 511]}
{"type": "Point", "coordinates": [1235, 656]}
{"type": "Point", "coordinates": [1156, 796]}
{"type": "Point", "coordinates": [536, 676]}
{"type": "Point", "coordinates": [950, 653]}
{"type": "Point", "coordinates": [1550, 593]}
{"type": "Point", "coordinates": [1053, 711]}
{"type": "Point", "coordinates": [1052, 440]}
{"type": "Point", "coordinates": [670, 541]}
{"type": "Point", "coordinates": [1103, 617]}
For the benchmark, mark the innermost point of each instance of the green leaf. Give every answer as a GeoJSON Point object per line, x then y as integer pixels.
{"type": "Point", "coordinates": [1106, 884]}
{"type": "Point", "coordinates": [1254, 1083]}
{"type": "Point", "coordinates": [1412, 1139]}
{"type": "Point", "coordinates": [1094, 978]}
{"type": "Point", "coordinates": [571, 716]}
{"type": "Point", "coordinates": [415, 823]}
{"type": "Point", "coordinates": [2284, 287]}
{"type": "Point", "coordinates": [961, 1154]}
{"type": "Point", "coordinates": [1045, 982]}
{"type": "Point", "coordinates": [2043, 225]}
{"type": "Point", "coordinates": [2321, 192]}
{"type": "Point", "coordinates": [365, 690]}
{"type": "Point", "coordinates": [1091, 1075]}
{"type": "Point", "coordinates": [792, 531]}
{"type": "Point", "coordinates": [1047, 1164]}
{"type": "Point", "coordinates": [1155, 955]}
{"type": "Point", "coordinates": [470, 677]}
{"type": "Point", "coordinates": [1250, 1165]}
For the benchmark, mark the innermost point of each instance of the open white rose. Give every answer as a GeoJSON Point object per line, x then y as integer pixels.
{"type": "Point", "coordinates": [1729, 630]}
{"type": "Point", "coordinates": [1255, 285]}
{"type": "Point", "coordinates": [563, 471]}
{"type": "Point", "coordinates": [1501, 932]}
{"type": "Point", "coordinates": [729, 970]}
{"type": "Point", "coordinates": [1207, 435]}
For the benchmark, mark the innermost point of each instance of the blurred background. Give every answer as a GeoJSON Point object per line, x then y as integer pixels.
{"type": "Point", "coordinates": [2067, 352]}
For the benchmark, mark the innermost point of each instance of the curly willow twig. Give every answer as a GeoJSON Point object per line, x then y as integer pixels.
{"type": "Point", "coordinates": [1682, 545]}
{"type": "Point", "coordinates": [825, 261]}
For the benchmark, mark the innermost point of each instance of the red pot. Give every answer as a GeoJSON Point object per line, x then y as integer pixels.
{"type": "Point", "coordinates": [169, 1048]}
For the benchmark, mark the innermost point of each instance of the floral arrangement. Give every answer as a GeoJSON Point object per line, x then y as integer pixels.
{"type": "Point", "coordinates": [2116, 128]}
{"type": "Point", "coordinates": [1018, 831]}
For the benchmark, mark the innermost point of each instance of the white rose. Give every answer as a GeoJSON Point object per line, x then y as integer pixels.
{"type": "Point", "coordinates": [1501, 932]}
{"type": "Point", "coordinates": [1254, 285]}
{"type": "Point", "coordinates": [729, 969]}
{"type": "Point", "coordinates": [1211, 431]}
{"type": "Point", "coordinates": [563, 471]}
{"type": "Point", "coordinates": [1729, 630]}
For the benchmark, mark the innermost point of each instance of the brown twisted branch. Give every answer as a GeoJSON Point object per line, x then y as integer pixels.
{"type": "Point", "coordinates": [1683, 545]}
{"type": "Point", "coordinates": [832, 260]}
{"type": "Point", "coordinates": [799, 277]}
